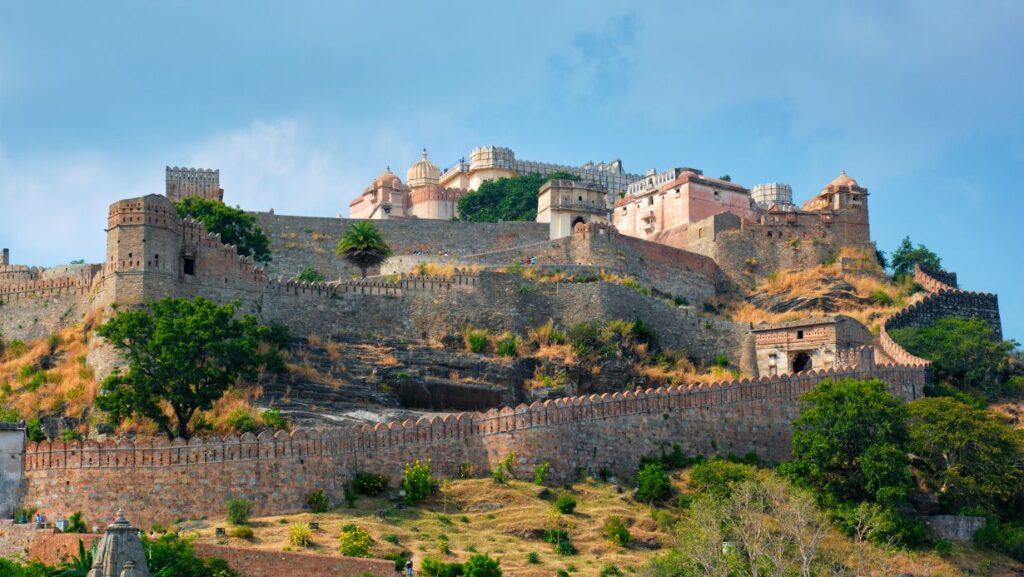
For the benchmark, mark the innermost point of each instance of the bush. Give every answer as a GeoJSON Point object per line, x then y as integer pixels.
{"type": "Point", "coordinates": [540, 472]}
{"type": "Point", "coordinates": [310, 274]}
{"type": "Point", "coordinates": [615, 530]}
{"type": "Point", "coordinates": [565, 503]}
{"type": "Point", "coordinates": [481, 565]}
{"type": "Point", "coordinates": [418, 482]}
{"type": "Point", "coordinates": [300, 535]}
{"type": "Point", "coordinates": [354, 542]}
{"type": "Point", "coordinates": [652, 484]}
{"type": "Point", "coordinates": [503, 472]}
{"type": "Point", "coordinates": [881, 298]}
{"type": "Point", "coordinates": [274, 419]}
{"type": "Point", "coordinates": [241, 420]}
{"type": "Point", "coordinates": [242, 532]}
{"type": "Point", "coordinates": [34, 430]}
{"type": "Point", "coordinates": [318, 501]}
{"type": "Point", "coordinates": [400, 560]}
{"type": "Point", "coordinates": [369, 484]}
{"type": "Point", "coordinates": [610, 570]}
{"type": "Point", "coordinates": [722, 361]}
{"type": "Point", "coordinates": [434, 568]}
{"type": "Point", "coordinates": [560, 539]}
{"type": "Point", "coordinates": [508, 346]}
{"type": "Point", "coordinates": [171, 556]}
{"type": "Point", "coordinates": [1006, 538]}
{"type": "Point", "coordinates": [76, 524]}
{"type": "Point", "coordinates": [476, 340]}
{"type": "Point", "coordinates": [239, 511]}
{"type": "Point", "coordinates": [717, 477]}
{"type": "Point", "coordinates": [533, 558]}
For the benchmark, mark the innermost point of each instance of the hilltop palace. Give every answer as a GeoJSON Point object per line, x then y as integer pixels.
{"type": "Point", "coordinates": [684, 241]}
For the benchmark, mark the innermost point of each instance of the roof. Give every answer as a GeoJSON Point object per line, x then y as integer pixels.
{"type": "Point", "coordinates": [843, 180]}
{"type": "Point", "coordinates": [804, 322]}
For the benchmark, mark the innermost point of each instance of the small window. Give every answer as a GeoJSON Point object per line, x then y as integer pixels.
{"type": "Point", "coordinates": [190, 265]}
{"type": "Point", "coordinates": [799, 335]}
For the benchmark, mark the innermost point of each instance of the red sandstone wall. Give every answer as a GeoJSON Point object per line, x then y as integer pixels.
{"type": "Point", "coordinates": [160, 482]}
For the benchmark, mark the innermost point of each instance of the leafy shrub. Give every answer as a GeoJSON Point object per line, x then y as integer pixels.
{"type": "Point", "coordinates": [565, 503]}
{"type": "Point", "coordinates": [652, 483]}
{"type": "Point", "coordinates": [533, 558]}
{"type": "Point", "coordinates": [68, 435]}
{"type": "Point", "coordinates": [242, 532]}
{"type": "Point", "coordinates": [442, 544]}
{"type": "Point", "coordinates": [318, 501]}
{"type": "Point", "coordinates": [540, 472]}
{"type": "Point", "coordinates": [481, 565]}
{"type": "Point", "coordinates": [418, 482]}
{"type": "Point", "coordinates": [560, 539]}
{"type": "Point", "coordinates": [274, 419]}
{"type": "Point", "coordinates": [241, 420]}
{"type": "Point", "coordinates": [508, 346]}
{"type": "Point", "coordinates": [354, 542]}
{"type": "Point", "coordinates": [1006, 538]}
{"type": "Point", "coordinates": [881, 298]}
{"type": "Point", "coordinates": [310, 274]}
{"type": "Point", "coordinates": [369, 484]}
{"type": "Point", "coordinates": [503, 471]}
{"type": "Point", "coordinates": [722, 361]}
{"type": "Point", "coordinates": [34, 430]}
{"type": "Point", "coordinates": [610, 570]}
{"type": "Point", "coordinates": [171, 556]}
{"type": "Point", "coordinates": [614, 529]}
{"type": "Point", "coordinates": [717, 477]}
{"type": "Point", "coordinates": [239, 511]}
{"type": "Point", "coordinates": [435, 568]}
{"type": "Point", "coordinates": [400, 559]}
{"type": "Point", "coordinates": [76, 524]}
{"type": "Point", "coordinates": [476, 340]}
{"type": "Point", "coordinates": [300, 535]}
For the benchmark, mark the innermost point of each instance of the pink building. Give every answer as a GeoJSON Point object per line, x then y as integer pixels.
{"type": "Point", "coordinates": [677, 197]}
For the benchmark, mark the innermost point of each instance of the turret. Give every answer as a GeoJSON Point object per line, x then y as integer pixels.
{"type": "Point", "coordinates": [184, 182]}
{"type": "Point", "coordinates": [566, 203]}
{"type": "Point", "coordinates": [144, 247]}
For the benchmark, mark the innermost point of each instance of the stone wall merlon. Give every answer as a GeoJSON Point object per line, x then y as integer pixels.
{"type": "Point", "coordinates": [425, 431]}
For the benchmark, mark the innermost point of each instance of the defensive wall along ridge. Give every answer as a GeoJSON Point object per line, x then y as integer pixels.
{"type": "Point", "coordinates": [162, 481]}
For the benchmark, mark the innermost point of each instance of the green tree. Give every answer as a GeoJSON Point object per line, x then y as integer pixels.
{"type": "Point", "coordinates": [907, 255]}
{"type": "Point", "coordinates": [652, 483]}
{"type": "Point", "coordinates": [234, 225]}
{"type": "Point", "coordinates": [363, 246]}
{"type": "Point", "coordinates": [966, 456]}
{"type": "Point", "coordinates": [181, 355]}
{"type": "Point", "coordinates": [513, 198]}
{"type": "Point", "coordinates": [850, 443]}
{"type": "Point", "coordinates": [965, 353]}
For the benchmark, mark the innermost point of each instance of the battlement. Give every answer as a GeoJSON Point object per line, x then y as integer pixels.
{"type": "Point", "coordinates": [182, 182]}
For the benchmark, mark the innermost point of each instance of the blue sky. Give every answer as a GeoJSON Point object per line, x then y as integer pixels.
{"type": "Point", "coordinates": [300, 104]}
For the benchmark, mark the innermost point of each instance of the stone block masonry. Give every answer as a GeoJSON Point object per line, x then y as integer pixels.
{"type": "Point", "coordinates": [161, 481]}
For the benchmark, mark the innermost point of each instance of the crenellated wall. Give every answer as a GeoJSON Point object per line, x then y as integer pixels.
{"type": "Point", "coordinates": [161, 481]}
{"type": "Point", "coordinates": [944, 299]}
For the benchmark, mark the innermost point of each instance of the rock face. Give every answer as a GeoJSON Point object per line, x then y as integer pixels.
{"type": "Point", "coordinates": [835, 295]}
{"type": "Point", "coordinates": [120, 553]}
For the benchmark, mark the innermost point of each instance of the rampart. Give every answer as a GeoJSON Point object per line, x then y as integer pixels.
{"type": "Point", "coordinates": [162, 481]}
{"type": "Point", "coordinates": [944, 299]}
{"type": "Point", "coordinates": [298, 242]}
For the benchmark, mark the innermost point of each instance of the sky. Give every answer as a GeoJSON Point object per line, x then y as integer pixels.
{"type": "Point", "coordinates": [301, 103]}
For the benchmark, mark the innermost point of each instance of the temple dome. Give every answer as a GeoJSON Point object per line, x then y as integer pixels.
{"type": "Point", "coordinates": [843, 180]}
{"type": "Point", "coordinates": [423, 173]}
{"type": "Point", "coordinates": [387, 179]}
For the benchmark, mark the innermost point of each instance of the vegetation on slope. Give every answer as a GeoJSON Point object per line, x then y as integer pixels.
{"type": "Point", "coordinates": [513, 198]}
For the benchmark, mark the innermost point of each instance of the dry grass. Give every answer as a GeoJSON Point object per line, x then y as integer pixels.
{"type": "Point", "coordinates": [815, 281]}
{"type": "Point", "coordinates": [478, 515]}
{"type": "Point", "coordinates": [443, 270]}
{"type": "Point", "coordinates": [48, 376]}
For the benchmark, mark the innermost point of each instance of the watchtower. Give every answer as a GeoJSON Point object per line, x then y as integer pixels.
{"type": "Point", "coordinates": [184, 182]}
{"type": "Point", "coordinates": [566, 203]}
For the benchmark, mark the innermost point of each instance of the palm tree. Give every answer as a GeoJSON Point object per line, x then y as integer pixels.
{"type": "Point", "coordinates": [363, 246]}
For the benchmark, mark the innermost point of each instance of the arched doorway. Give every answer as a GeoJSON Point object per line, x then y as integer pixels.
{"type": "Point", "coordinates": [802, 362]}
{"type": "Point", "coordinates": [578, 220]}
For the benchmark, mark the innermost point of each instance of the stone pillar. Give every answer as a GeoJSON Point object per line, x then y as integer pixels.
{"type": "Point", "coordinates": [12, 456]}
{"type": "Point", "coordinates": [5, 257]}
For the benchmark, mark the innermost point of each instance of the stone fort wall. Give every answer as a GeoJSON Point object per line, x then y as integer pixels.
{"type": "Point", "coordinates": [944, 299]}
{"type": "Point", "coordinates": [162, 481]}
{"type": "Point", "coordinates": [298, 242]}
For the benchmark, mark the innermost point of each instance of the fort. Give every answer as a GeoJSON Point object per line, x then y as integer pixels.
{"type": "Point", "coordinates": [684, 240]}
